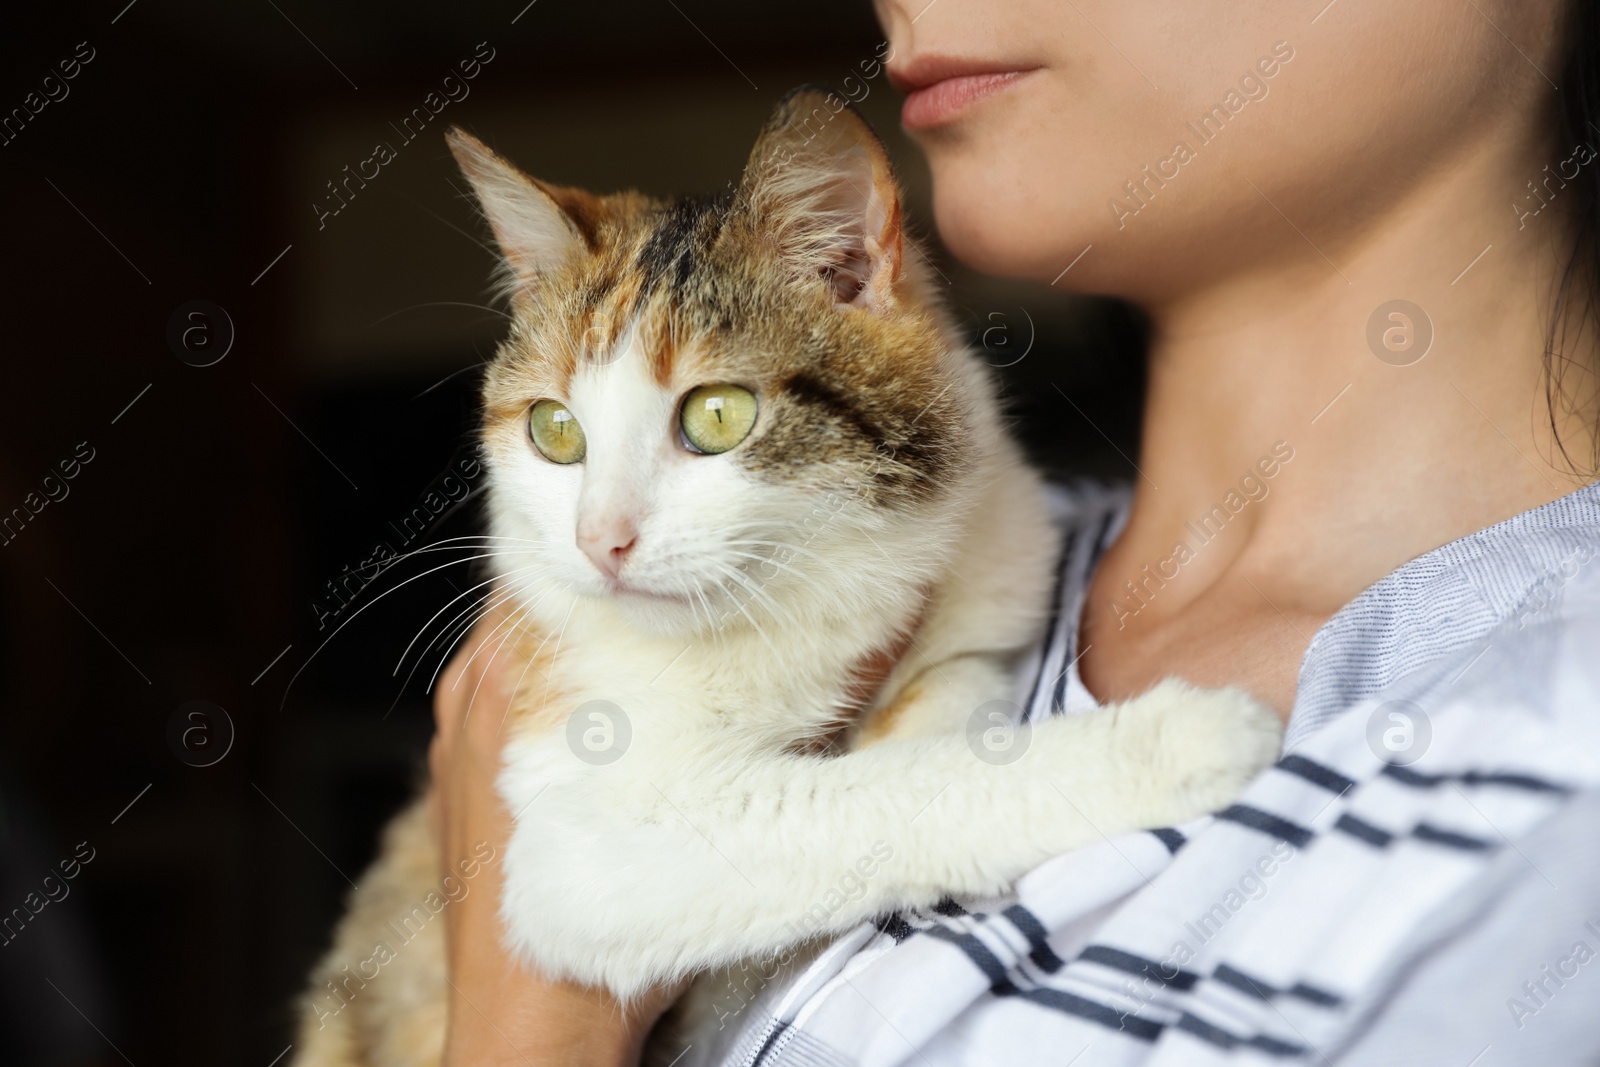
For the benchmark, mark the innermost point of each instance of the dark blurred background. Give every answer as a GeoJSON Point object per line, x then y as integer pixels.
{"type": "Point", "coordinates": [172, 535]}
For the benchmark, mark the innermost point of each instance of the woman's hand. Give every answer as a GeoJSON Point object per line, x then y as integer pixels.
{"type": "Point", "coordinates": [500, 1013]}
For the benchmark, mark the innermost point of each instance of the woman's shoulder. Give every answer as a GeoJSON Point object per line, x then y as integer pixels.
{"type": "Point", "coordinates": [1487, 617]}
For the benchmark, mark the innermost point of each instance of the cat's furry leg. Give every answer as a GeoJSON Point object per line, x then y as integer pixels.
{"type": "Point", "coordinates": [699, 857]}
{"type": "Point", "coordinates": [939, 701]}
{"type": "Point", "coordinates": [372, 1006]}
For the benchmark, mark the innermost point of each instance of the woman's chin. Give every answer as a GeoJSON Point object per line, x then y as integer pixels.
{"type": "Point", "coordinates": [988, 231]}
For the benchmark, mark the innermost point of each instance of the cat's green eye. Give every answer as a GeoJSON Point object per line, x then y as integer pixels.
{"type": "Point", "coordinates": [555, 432]}
{"type": "Point", "coordinates": [717, 417]}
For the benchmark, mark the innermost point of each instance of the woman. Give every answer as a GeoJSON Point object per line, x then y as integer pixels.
{"type": "Point", "coordinates": [1353, 430]}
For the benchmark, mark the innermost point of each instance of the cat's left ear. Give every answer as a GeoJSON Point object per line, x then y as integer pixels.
{"type": "Point", "coordinates": [538, 226]}
{"type": "Point", "coordinates": [819, 184]}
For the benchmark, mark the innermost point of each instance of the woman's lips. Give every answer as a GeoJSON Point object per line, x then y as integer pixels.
{"type": "Point", "coordinates": [941, 102]}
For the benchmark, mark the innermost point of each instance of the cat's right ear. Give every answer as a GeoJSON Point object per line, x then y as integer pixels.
{"type": "Point", "coordinates": [819, 185]}
{"type": "Point", "coordinates": [537, 232]}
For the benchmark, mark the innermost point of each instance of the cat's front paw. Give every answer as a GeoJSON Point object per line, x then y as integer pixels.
{"type": "Point", "coordinates": [1208, 744]}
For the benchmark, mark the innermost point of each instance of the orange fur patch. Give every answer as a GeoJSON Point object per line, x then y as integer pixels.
{"type": "Point", "coordinates": [537, 703]}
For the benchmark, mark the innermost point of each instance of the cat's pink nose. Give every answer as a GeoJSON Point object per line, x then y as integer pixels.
{"type": "Point", "coordinates": [608, 543]}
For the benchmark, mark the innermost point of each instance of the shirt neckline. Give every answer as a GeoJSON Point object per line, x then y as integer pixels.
{"type": "Point", "coordinates": [1343, 649]}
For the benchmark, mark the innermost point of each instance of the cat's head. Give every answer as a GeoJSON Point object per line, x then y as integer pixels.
{"type": "Point", "coordinates": [727, 409]}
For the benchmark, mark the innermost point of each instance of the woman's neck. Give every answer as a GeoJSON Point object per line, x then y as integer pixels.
{"type": "Point", "coordinates": [1376, 452]}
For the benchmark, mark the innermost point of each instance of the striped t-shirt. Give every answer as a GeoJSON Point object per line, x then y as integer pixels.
{"type": "Point", "coordinates": [1417, 881]}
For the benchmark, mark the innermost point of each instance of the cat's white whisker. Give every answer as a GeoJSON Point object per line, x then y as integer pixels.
{"type": "Point", "coordinates": [550, 675]}
{"type": "Point", "coordinates": [462, 622]}
{"type": "Point", "coordinates": [780, 546]}
{"type": "Point", "coordinates": [458, 636]}
{"type": "Point", "coordinates": [425, 626]}
{"type": "Point", "coordinates": [511, 628]}
{"type": "Point", "coordinates": [450, 638]}
{"type": "Point", "coordinates": [516, 687]}
{"type": "Point", "coordinates": [553, 632]}
{"type": "Point", "coordinates": [743, 580]}
{"type": "Point", "coordinates": [738, 602]}
{"type": "Point", "coordinates": [358, 612]}
{"type": "Point", "coordinates": [763, 559]}
{"type": "Point", "coordinates": [468, 619]}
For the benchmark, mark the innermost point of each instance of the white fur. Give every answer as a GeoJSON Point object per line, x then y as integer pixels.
{"type": "Point", "coordinates": [708, 841]}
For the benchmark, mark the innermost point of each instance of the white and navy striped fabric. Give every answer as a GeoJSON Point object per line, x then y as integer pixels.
{"type": "Point", "coordinates": [1349, 908]}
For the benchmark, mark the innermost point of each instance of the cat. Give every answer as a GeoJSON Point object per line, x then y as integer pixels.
{"type": "Point", "coordinates": [736, 445]}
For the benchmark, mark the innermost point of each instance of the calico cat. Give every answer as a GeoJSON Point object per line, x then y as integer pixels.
{"type": "Point", "coordinates": [736, 446]}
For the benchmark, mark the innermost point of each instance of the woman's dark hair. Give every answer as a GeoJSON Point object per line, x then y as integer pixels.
{"type": "Point", "coordinates": [1577, 300]}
